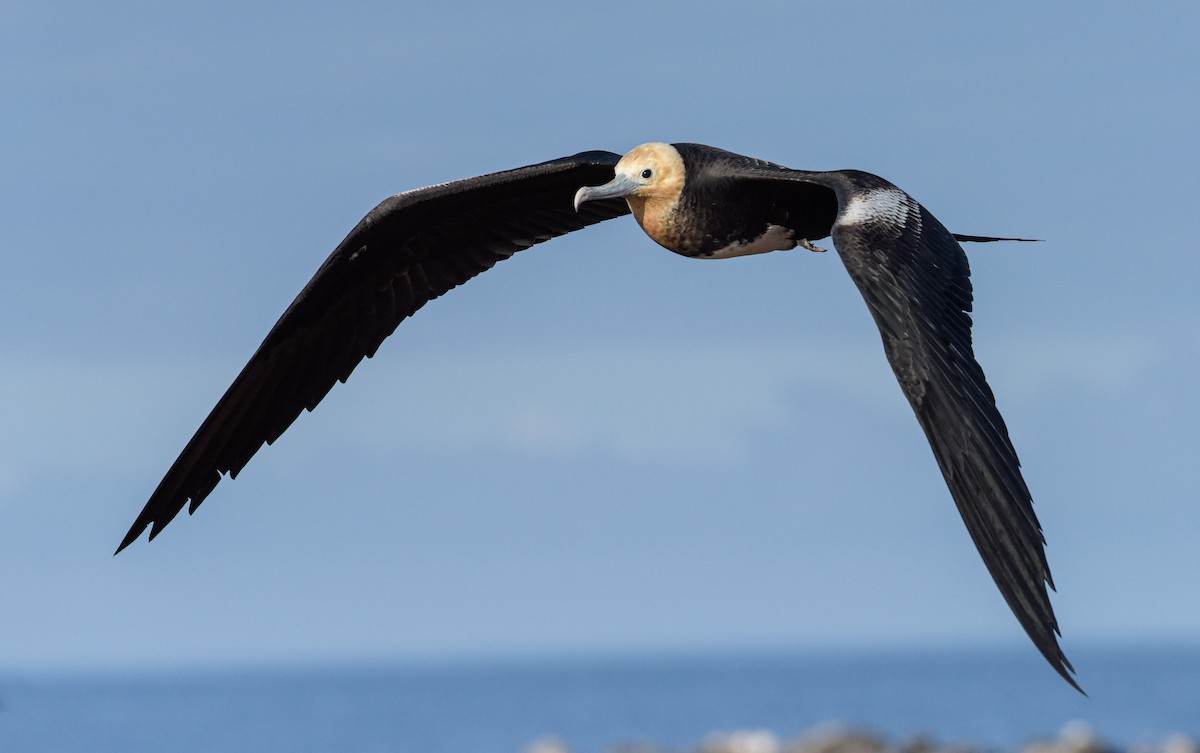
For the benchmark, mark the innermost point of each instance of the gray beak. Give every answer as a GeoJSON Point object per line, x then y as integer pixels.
{"type": "Point", "coordinates": [617, 188]}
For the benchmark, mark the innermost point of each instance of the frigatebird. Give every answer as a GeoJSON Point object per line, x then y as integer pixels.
{"type": "Point", "coordinates": [696, 201]}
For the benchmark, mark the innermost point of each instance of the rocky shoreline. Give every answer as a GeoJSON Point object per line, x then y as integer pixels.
{"type": "Point", "coordinates": [1075, 737]}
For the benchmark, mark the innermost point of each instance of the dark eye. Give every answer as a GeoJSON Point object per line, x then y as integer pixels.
{"type": "Point", "coordinates": [647, 174]}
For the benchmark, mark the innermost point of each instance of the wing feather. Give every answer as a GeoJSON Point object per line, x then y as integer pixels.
{"type": "Point", "coordinates": [409, 250]}
{"type": "Point", "coordinates": [915, 280]}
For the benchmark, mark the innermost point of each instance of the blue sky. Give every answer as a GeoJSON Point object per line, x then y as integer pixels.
{"type": "Point", "coordinates": [597, 446]}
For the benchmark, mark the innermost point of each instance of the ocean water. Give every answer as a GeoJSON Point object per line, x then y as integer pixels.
{"type": "Point", "coordinates": [997, 699]}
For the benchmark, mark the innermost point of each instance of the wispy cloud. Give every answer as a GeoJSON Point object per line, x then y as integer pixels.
{"type": "Point", "coordinates": [1100, 362]}
{"type": "Point", "coordinates": [643, 403]}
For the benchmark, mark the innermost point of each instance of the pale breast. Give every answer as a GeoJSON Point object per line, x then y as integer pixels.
{"type": "Point", "coordinates": [775, 238]}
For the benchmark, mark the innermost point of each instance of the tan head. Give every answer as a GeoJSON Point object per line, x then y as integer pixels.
{"type": "Point", "coordinates": [650, 178]}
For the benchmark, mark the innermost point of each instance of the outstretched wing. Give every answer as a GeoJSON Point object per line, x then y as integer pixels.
{"type": "Point", "coordinates": [409, 250]}
{"type": "Point", "coordinates": [915, 279]}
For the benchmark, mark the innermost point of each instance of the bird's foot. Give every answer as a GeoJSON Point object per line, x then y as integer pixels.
{"type": "Point", "coordinates": [805, 243]}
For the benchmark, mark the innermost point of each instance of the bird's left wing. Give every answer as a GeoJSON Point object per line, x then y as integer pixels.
{"type": "Point", "coordinates": [409, 250]}
{"type": "Point", "coordinates": [915, 280]}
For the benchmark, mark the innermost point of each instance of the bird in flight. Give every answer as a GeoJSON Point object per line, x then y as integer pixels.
{"type": "Point", "coordinates": [697, 201]}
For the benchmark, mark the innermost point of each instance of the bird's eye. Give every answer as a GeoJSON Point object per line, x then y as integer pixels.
{"type": "Point", "coordinates": [647, 174]}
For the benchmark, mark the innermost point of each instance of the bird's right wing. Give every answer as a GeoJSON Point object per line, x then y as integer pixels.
{"type": "Point", "coordinates": [409, 250]}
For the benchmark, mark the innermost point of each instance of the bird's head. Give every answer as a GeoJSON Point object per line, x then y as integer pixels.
{"type": "Point", "coordinates": [650, 178]}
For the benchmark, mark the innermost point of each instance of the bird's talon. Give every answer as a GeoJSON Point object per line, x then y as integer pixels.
{"type": "Point", "coordinates": [804, 242]}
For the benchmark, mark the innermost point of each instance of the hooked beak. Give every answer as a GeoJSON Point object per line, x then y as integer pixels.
{"type": "Point", "coordinates": [617, 188]}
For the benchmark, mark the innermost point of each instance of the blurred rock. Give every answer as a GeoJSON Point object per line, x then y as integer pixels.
{"type": "Point", "coordinates": [836, 739]}
{"type": "Point", "coordinates": [925, 745]}
{"type": "Point", "coordinates": [1074, 737]}
{"type": "Point", "coordinates": [547, 745]}
{"type": "Point", "coordinates": [741, 741]}
{"type": "Point", "coordinates": [1180, 744]}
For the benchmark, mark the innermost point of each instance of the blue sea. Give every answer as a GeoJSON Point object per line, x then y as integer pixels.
{"type": "Point", "coordinates": [997, 699]}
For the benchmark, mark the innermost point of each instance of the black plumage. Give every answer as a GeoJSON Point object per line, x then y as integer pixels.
{"type": "Point", "coordinates": [409, 250]}
{"type": "Point", "coordinates": [699, 202]}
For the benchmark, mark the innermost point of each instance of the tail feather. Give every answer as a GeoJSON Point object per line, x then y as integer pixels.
{"type": "Point", "coordinates": [989, 239]}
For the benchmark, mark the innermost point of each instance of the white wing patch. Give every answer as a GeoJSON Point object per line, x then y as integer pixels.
{"type": "Point", "coordinates": [776, 238]}
{"type": "Point", "coordinates": [888, 205]}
